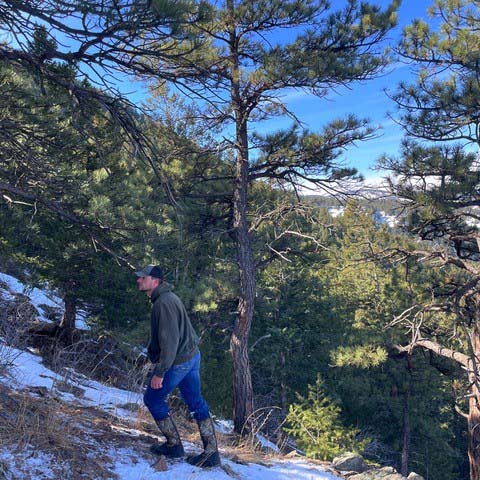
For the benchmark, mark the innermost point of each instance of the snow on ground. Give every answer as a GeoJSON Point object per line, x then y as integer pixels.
{"type": "Point", "coordinates": [28, 371]}
{"type": "Point", "coordinates": [380, 216]}
{"type": "Point", "coordinates": [336, 211]}
{"type": "Point", "coordinates": [38, 298]}
{"type": "Point", "coordinates": [37, 464]}
{"type": "Point", "coordinates": [279, 470]}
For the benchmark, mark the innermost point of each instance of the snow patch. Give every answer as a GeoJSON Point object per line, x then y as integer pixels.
{"type": "Point", "coordinates": [28, 371]}
{"type": "Point", "coordinates": [31, 464]}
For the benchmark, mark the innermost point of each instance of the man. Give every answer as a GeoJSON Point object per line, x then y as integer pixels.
{"type": "Point", "coordinates": [173, 349]}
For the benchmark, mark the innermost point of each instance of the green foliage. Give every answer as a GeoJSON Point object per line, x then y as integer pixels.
{"type": "Point", "coordinates": [324, 312]}
{"type": "Point", "coordinates": [42, 45]}
{"type": "Point", "coordinates": [362, 356]}
{"type": "Point", "coordinates": [441, 105]}
{"type": "Point", "coordinates": [388, 396]}
{"type": "Point", "coordinates": [315, 424]}
{"type": "Point", "coordinates": [217, 370]}
{"type": "Point", "coordinates": [436, 179]}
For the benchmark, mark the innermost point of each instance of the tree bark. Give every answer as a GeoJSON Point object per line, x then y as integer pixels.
{"type": "Point", "coordinates": [243, 391]}
{"type": "Point", "coordinates": [406, 434]}
{"type": "Point", "coordinates": [242, 381]}
{"type": "Point", "coordinates": [439, 349]}
{"type": "Point", "coordinates": [67, 324]}
{"type": "Point", "coordinates": [474, 408]}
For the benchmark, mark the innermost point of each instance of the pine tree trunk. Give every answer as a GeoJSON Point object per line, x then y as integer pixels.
{"type": "Point", "coordinates": [474, 411]}
{"type": "Point", "coordinates": [406, 434]}
{"type": "Point", "coordinates": [242, 381]}
{"type": "Point", "coordinates": [283, 384]}
{"type": "Point", "coordinates": [243, 391]}
{"type": "Point", "coordinates": [67, 324]}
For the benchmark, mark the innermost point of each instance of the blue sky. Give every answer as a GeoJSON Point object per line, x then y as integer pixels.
{"type": "Point", "coordinates": [366, 100]}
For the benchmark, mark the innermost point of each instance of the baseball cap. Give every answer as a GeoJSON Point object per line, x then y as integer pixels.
{"type": "Point", "coordinates": [150, 270]}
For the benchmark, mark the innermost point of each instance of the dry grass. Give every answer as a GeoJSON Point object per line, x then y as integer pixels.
{"type": "Point", "coordinates": [74, 437]}
{"type": "Point", "coordinates": [101, 359]}
{"type": "Point", "coordinates": [260, 422]}
{"type": "Point", "coordinates": [16, 315]}
{"type": "Point", "coordinates": [79, 439]}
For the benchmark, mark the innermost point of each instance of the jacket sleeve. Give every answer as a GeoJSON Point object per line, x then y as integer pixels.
{"type": "Point", "coordinates": [168, 337]}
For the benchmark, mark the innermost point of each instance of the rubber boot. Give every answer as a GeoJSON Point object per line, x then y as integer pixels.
{"type": "Point", "coordinates": [210, 456]}
{"type": "Point", "coordinates": [173, 446]}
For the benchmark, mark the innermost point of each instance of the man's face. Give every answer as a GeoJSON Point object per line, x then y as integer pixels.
{"type": "Point", "coordinates": [147, 284]}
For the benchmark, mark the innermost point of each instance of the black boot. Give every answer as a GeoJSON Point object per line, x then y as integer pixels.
{"type": "Point", "coordinates": [210, 456]}
{"type": "Point", "coordinates": [173, 446]}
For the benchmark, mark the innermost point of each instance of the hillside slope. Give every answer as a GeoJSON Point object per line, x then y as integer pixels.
{"type": "Point", "coordinates": [62, 424]}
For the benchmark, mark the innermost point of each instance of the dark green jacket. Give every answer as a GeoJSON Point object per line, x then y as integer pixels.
{"type": "Point", "coordinates": [173, 339]}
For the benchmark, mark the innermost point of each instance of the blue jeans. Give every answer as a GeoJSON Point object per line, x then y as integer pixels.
{"type": "Point", "coordinates": [187, 377]}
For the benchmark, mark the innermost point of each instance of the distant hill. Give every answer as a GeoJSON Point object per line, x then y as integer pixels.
{"type": "Point", "coordinates": [385, 209]}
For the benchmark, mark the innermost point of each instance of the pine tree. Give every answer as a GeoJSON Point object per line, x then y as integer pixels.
{"type": "Point", "coordinates": [102, 43]}
{"type": "Point", "coordinates": [393, 390]}
{"type": "Point", "coordinates": [236, 78]}
{"type": "Point", "coordinates": [439, 186]}
{"type": "Point", "coordinates": [315, 424]}
{"type": "Point", "coordinates": [323, 312]}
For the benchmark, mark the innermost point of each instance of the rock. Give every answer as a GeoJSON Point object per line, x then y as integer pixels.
{"type": "Point", "coordinates": [238, 460]}
{"type": "Point", "coordinates": [352, 462]}
{"type": "Point", "coordinates": [415, 476]}
{"type": "Point", "coordinates": [41, 391]}
{"type": "Point", "coordinates": [385, 473]}
{"type": "Point", "coordinates": [161, 464]}
{"type": "Point", "coordinates": [229, 471]}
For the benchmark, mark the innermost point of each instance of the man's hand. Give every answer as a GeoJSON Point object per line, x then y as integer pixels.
{"type": "Point", "coordinates": [156, 382]}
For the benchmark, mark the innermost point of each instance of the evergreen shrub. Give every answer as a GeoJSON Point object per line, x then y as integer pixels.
{"type": "Point", "coordinates": [315, 424]}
